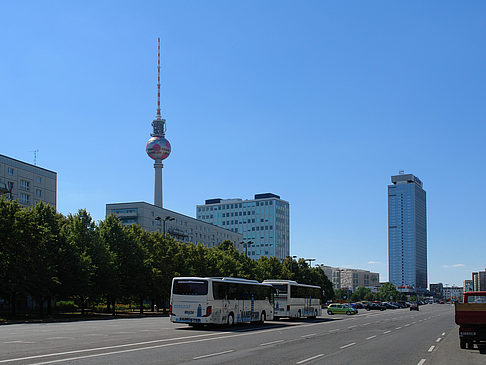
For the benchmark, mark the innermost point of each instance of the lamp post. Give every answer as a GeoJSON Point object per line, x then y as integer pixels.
{"type": "Point", "coordinates": [158, 219]}
{"type": "Point", "coordinates": [292, 262]}
{"type": "Point", "coordinates": [310, 261]}
{"type": "Point", "coordinates": [245, 244]}
{"type": "Point", "coordinates": [168, 218]}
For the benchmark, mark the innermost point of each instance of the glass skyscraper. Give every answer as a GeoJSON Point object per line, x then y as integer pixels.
{"type": "Point", "coordinates": [264, 221]}
{"type": "Point", "coordinates": [407, 233]}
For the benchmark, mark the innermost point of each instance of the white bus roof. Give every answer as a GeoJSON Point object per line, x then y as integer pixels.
{"type": "Point", "coordinates": [281, 281]}
{"type": "Point", "coordinates": [234, 280]}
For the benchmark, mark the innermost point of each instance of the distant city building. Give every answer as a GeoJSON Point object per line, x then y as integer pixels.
{"type": "Point", "coordinates": [437, 290]}
{"type": "Point", "coordinates": [26, 183]}
{"type": "Point", "coordinates": [181, 227]}
{"type": "Point", "coordinates": [453, 293]}
{"type": "Point", "coordinates": [344, 278]}
{"type": "Point", "coordinates": [468, 285]}
{"type": "Point", "coordinates": [479, 280]}
{"type": "Point", "coordinates": [407, 233]}
{"type": "Point", "coordinates": [263, 222]}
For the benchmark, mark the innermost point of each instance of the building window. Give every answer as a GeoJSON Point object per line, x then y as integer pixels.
{"type": "Point", "coordinates": [10, 171]}
{"type": "Point", "coordinates": [38, 192]}
{"type": "Point", "coordinates": [39, 179]}
{"type": "Point", "coordinates": [10, 185]}
{"type": "Point", "coordinates": [24, 184]}
{"type": "Point", "coordinates": [24, 198]}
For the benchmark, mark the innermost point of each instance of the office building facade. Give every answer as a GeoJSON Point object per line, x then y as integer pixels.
{"type": "Point", "coordinates": [26, 183]}
{"type": "Point", "coordinates": [351, 279]}
{"type": "Point", "coordinates": [479, 280]}
{"type": "Point", "coordinates": [263, 222]}
{"type": "Point", "coordinates": [407, 233]}
{"type": "Point", "coordinates": [183, 228]}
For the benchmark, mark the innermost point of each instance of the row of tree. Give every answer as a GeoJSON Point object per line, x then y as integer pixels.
{"type": "Point", "coordinates": [49, 256]}
{"type": "Point", "coordinates": [388, 292]}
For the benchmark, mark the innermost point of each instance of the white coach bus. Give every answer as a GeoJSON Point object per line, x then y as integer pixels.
{"type": "Point", "coordinates": [296, 300]}
{"type": "Point", "coordinates": [198, 301]}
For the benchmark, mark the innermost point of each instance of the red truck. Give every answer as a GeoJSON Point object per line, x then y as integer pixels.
{"type": "Point", "coordinates": [470, 315]}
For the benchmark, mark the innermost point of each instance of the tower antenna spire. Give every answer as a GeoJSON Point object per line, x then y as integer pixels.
{"type": "Point", "coordinates": [158, 79]}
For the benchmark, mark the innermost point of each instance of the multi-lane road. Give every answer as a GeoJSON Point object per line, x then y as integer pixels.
{"type": "Point", "coordinates": [428, 336]}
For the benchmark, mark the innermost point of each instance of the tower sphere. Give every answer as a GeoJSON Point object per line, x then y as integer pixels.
{"type": "Point", "coordinates": [158, 148]}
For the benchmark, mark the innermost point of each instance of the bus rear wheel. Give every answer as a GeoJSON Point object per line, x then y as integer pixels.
{"type": "Point", "coordinates": [263, 317]}
{"type": "Point", "coordinates": [231, 320]}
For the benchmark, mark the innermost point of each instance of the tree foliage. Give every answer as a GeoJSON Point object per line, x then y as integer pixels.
{"type": "Point", "coordinates": [44, 254]}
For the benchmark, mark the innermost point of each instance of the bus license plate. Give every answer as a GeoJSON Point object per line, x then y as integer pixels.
{"type": "Point", "coordinates": [189, 312]}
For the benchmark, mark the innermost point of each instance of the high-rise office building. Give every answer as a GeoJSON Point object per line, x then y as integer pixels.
{"type": "Point", "coordinates": [263, 222]}
{"type": "Point", "coordinates": [407, 233]}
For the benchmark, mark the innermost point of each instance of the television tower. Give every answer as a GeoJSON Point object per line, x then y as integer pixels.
{"type": "Point", "coordinates": [158, 148]}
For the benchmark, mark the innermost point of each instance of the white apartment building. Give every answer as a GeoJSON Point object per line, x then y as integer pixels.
{"type": "Point", "coordinates": [263, 222]}
{"type": "Point", "coordinates": [181, 227]}
{"type": "Point", "coordinates": [344, 278]}
{"type": "Point", "coordinates": [26, 183]}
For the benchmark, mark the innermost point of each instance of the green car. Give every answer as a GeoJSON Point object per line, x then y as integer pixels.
{"type": "Point", "coordinates": [334, 308]}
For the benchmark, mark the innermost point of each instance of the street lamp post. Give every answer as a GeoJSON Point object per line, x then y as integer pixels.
{"type": "Point", "coordinates": [246, 244]}
{"type": "Point", "coordinates": [168, 218]}
{"type": "Point", "coordinates": [310, 261]}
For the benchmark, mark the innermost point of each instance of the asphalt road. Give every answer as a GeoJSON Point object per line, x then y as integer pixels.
{"type": "Point", "coordinates": [428, 336]}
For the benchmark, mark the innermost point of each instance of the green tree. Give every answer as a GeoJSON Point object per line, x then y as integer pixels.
{"type": "Point", "coordinates": [360, 293]}
{"type": "Point", "coordinates": [387, 291]}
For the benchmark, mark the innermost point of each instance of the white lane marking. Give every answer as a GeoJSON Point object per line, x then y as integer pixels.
{"type": "Point", "coordinates": [215, 354]}
{"type": "Point", "coordinates": [19, 342]}
{"type": "Point", "coordinates": [122, 333]}
{"type": "Point", "coordinates": [414, 322]}
{"type": "Point", "coordinates": [431, 348]}
{"type": "Point", "coordinates": [100, 348]}
{"type": "Point", "coordinates": [408, 324]}
{"type": "Point", "coordinates": [443, 333]}
{"type": "Point", "coordinates": [309, 335]}
{"type": "Point", "coordinates": [365, 324]}
{"type": "Point", "coordinates": [270, 343]}
{"type": "Point", "coordinates": [386, 332]}
{"type": "Point", "coordinates": [438, 340]}
{"type": "Point", "coordinates": [352, 326]}
{"type": "Point", "coordinates": [349, 344]}
{"type": "Point", "coordinates": [228, 335]}
{"type": "Point", "coordinates": [398, 328]}
{"type": "Point", "coordinates": [421, 362]}
{"type": "Point", "coordinates": [369, 338]}
{"type": "Point", "coordinates": [60, 338]}
{"type": "Point", "coordinates": [309, 359]}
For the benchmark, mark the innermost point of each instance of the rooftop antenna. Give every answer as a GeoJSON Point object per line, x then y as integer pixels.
{"type": "Point", "coordinates": [158, 116]}
{"type": "Point", "coordinates": [35, 156]}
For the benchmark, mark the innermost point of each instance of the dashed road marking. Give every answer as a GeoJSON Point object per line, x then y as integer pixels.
{"type": "Point", "coordinates": [309, 359]}
{"type": "Point", "coordinates": [349, 344]}
{"type": "Point", "coordinates": [443, 333]}
{"type": "Point", "coordinates": [421, 362]}
{"type": "Point", "coordinates": [309, 335]}
{"type": "Point", "coordinates": [215, 354]}
{"type": "Point", "coordinates": [431, 348]}
{"type": "Point", "coordinates": [369, 338]}
{"type": "Point", "coordinates": [398, 328]}
{"type": "Point", "coordinates": [386, 332]}
{"type": "Point", "coordinates": [438, 340]}
{"type": "Point", "coordinates": [271, 343]}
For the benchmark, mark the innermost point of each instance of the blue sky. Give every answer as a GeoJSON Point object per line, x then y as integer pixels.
{"type": "Point", "coordinates": [319, 102]}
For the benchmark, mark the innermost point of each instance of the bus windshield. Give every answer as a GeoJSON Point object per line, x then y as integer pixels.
{"type": "Point", "coordinates": [281, 288]}
{"type": "Point", "coordinates": [190, 287]}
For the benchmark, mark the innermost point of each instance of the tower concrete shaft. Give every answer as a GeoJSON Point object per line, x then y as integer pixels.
{"type": "Point", "coordinates": [158, 198]}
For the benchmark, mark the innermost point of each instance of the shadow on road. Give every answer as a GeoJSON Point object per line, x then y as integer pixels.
{"type": "Point", "coordinates": [246, 327]}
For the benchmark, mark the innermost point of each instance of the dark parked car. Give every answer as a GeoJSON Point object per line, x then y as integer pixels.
{"type": "Point", "coordinates": [414, 306]}
{"type": "Point", "coordinates": [375, 306]}
{"type": "Point", "coordinates": [390, 306]}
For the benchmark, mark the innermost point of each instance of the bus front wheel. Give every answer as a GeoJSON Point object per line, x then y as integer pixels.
{"type": "Point", "coordinates": [231, 320]}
